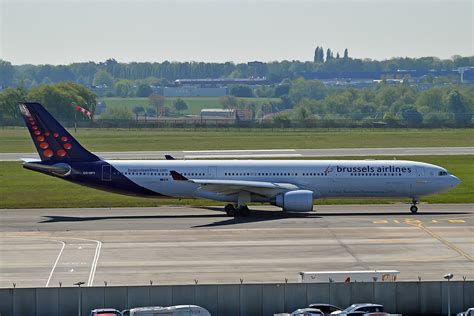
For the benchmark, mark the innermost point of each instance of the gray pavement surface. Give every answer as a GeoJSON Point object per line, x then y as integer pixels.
{"type": "Point", "coordinates": [174, 245]}
{"type": "Point", "coordinates": [267, 153]}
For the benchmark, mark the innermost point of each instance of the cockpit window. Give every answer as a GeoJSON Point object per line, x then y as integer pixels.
{"type": "Point", "coordinates": [442, 173]}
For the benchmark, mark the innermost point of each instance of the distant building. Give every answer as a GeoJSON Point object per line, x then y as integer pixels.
{"type": "Point", "coordinates": [192, 91]}
{"type": "Point", "coordinates": [217, 114]}
{"type": "Point", "coordinates": [220, 82]}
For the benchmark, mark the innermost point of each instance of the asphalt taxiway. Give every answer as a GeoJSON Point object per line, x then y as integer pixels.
{"type": "Point", "coordinates": [267, 153]}
{"type": "Point", "coordinates": [174, 245]}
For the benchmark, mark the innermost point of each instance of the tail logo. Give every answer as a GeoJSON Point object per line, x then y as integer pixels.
{"type": "Point", "coordinates": [51, 139]}
{"type": "Point", "coordinates": [25, 111]}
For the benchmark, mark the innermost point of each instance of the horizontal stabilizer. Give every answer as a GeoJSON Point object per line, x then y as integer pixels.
{"type": "Point", "coordinates": [59, 169]}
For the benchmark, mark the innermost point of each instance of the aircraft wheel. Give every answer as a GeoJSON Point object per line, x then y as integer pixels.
{"type": "Point", "coordinates": [244, 211]}
{"type": "Point", "coordinates": [413, 209]}
{"type": "Point", "coordinates": [230, 210]}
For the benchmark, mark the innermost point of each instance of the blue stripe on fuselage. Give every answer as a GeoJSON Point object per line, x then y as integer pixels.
{"type": "Point", "coordinates": [103, 176]}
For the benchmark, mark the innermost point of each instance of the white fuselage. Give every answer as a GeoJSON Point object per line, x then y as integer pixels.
{"type": "Point", "coordinates": [325, 178]}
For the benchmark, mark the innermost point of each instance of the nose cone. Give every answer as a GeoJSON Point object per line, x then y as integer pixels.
{"type": "Point", "coordinates": [454, 181]}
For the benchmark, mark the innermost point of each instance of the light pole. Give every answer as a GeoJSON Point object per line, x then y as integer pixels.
{"type": "Point", "coordinates": [79, 298]}
{"type": "Point", "coordinates": [448, 277]}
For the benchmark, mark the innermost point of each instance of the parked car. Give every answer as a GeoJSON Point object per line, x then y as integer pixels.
{"type": "Point", "coordinates": [105, 312]}
{"type": "Point", "coordinates": [360, 309]}
{"type": "Point", "coordinates": [469, 312]}
{"type": "Point", "coordinates": [307, 312]}
{"type": "Point", "coordinates": [327, 309]}
{"type": "Point", "coordinates": [181, 310]}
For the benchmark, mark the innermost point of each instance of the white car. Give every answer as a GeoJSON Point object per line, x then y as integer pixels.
{"type": "Point", "coordinates": [469, 312]}
{"type": "Point", "coordinates": [181, 310]}
{"type": "Point", "coordinates": [307, 312]}
{"type": "Point", "coordinates": [360, 309]}
{"type": "Point", "coordinates": [105, 312]}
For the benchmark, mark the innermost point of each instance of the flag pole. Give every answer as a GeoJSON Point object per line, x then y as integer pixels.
{"type": "Point", "coordinates": [75, 121]}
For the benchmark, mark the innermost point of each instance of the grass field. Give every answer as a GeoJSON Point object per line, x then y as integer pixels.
{"type": "Point", "coordinates": [195, 104]}
{"type": "Point", "coordinates": [20, 188]}
{"type": "Point", "coordinates": [18, 139]}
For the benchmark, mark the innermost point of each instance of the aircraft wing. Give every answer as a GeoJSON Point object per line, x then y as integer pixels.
{"type": "Point", "coordinates": [263, 188]}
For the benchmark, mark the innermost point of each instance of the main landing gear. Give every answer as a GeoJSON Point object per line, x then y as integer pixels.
{"type": "Point", "coordinates": [233, 211]}
{"type": "Point", "coordinates": [413, 207]}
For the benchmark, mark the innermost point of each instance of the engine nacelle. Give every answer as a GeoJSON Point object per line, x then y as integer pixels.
{"type": "Point", "coordinates": [296, 201]}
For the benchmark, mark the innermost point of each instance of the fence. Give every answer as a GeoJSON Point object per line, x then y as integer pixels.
{"type": "Point", "coordinates": [337, 122]}
{"type": "Point", "coordinates": [407, 298]}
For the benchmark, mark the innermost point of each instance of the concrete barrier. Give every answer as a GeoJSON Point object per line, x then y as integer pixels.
{"type": "Point", "coordinates": [407, 298]}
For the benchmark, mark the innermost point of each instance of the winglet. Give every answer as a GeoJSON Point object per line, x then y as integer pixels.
{"type": "Point", "coordinates": [169, 157]}
{"type": "Point", "coordinates": [177, 176]}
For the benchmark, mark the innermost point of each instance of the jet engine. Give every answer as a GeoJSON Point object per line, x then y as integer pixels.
{"type": "Point", "coordinates": [295, 201]}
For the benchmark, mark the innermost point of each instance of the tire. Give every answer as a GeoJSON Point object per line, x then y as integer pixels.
{"type": "Point", "coordinates": [230, 210]}
{"type": "Point", "coordinates": [413, 209]}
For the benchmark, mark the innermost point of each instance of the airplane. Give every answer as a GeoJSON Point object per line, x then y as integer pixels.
{"type": "Point", "coordinates": [292, 185]}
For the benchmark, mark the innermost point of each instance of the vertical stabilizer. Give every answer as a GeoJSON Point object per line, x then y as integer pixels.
{"type": "Point", "coordinates": [52, 141]}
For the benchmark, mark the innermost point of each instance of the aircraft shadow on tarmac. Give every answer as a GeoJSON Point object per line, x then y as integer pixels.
{"type": "Point", "coordinates": [256, 216]}
{"type": "Point", "coordinates": [261, 216]}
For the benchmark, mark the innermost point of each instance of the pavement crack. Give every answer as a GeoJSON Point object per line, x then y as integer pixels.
{"type": "Point", "coordinates": [346, 247]}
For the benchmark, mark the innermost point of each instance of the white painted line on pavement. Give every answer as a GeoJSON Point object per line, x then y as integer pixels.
{"type": "Point", "coordinates": [94, 263]}
{"type": "Point", "coordinates": [56, 262]}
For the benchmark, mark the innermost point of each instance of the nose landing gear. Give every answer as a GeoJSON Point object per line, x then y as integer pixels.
{"type": "Point", "coordinates": [413, 207]}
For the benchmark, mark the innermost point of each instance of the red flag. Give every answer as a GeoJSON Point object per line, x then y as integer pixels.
{"type": "Point", "coordinates": [84, 111]}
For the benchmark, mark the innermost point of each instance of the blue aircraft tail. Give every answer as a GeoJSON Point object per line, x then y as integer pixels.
{"type": "Point", "coordinates": [51, 139]}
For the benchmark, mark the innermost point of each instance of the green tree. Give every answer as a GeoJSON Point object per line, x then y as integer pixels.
{"type": "Point", "coordinates": [6, 73]}
{"type": "Point", "coordinates": [411, 116]}
{"type": "Point", "coordinates": [61, 98]}
{"type": "Point", "coordinates": [329, 54]}
{"type": "Point", "coordinates": [390, 119]}
{"type": "Point", "coordinates": [310, 89]}
{"type": "Point", "coordinates": [144, 90]}
{"type": "Point", "coordinates": [123, 88]}
{"type": "Point", "coordinates": [180, 105]}
{"type": "Point", "coordinates": [157, 101]}
{"type": "Point", "coordinates": [241, 90]}
{"type": "Point", "coordinates": [9, 99]}
{"type": "Point", "coordinates": [346, 53]}
{"type": "Point", "coordinates": [318, 55]}
{"type": "Point", "coordinates": [303, 113]}
{"type": "Point", "coordinates": [102, 77]}
{"type": "Point", "coordinates": [138, 110]}
{"type": "Point", "coordinates": [456, 106]}
{"type": "Point", "coordinates": [431, 100]}
{"type": "Point", "coordinates": [282, 89]}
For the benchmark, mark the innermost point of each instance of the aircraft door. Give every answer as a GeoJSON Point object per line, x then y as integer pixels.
{"type": "Point", "coordinates": [420, 171]}
{"type": "Point", "coordinates": [212, 172]}
{"type": "Point", "coordinates": [106, 173]}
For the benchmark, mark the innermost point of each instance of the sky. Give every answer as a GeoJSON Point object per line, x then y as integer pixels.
{"type": "Point", "coordinates": [66, 31]}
